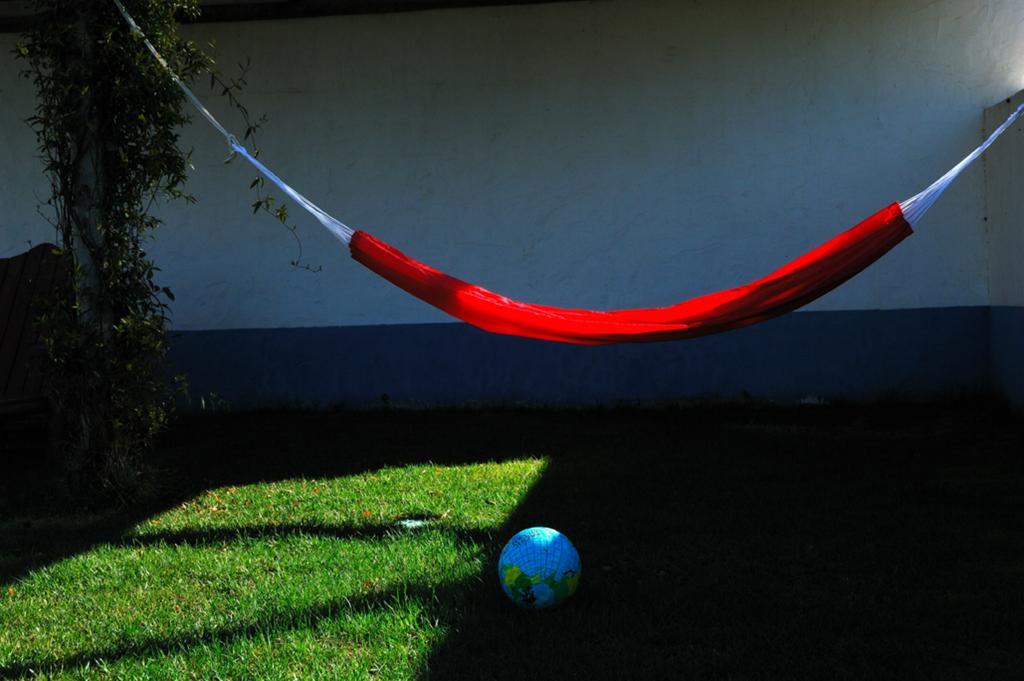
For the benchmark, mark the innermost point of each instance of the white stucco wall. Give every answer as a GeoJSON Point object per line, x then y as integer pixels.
{"type": "Point", "coordinates": [1004, 169]}
{"type": "Point", "coordinates": [593, 154]}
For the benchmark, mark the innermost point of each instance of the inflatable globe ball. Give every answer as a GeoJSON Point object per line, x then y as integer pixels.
{"type": "Point", "coordinates": [539, 568]}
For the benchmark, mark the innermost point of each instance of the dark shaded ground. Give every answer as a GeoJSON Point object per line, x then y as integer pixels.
{"type": "Point", "coordinates": [751, 542]}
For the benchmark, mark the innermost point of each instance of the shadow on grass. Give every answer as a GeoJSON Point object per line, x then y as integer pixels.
{"type": "Point", "coordinates": [752, 543]}
{"type": "Point", "coordinates": [881, 544]}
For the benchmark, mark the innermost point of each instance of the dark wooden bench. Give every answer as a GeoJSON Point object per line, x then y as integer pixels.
{"type": "Point", "coordinates": [23, 280]}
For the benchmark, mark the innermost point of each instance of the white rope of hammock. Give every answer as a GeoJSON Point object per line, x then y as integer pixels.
{"type": "Point", "coordinates": [336, 227]}
{"type": "Point", "coordinates": [916, 206]}
{"type": "Point", "coordinates": [913, 208]}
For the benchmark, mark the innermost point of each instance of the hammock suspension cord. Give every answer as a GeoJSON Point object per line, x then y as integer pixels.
{"type": "Point", "coordinates": [334, 226]}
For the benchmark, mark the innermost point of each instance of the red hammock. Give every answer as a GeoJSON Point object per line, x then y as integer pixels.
{"type": "Point", "coordinates": [793, 285]}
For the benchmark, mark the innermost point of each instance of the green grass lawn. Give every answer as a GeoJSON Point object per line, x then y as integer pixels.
{"type": "Point", "coordinates": [299, 577]}
{"type": "Point", "coordinates": [878, 542]}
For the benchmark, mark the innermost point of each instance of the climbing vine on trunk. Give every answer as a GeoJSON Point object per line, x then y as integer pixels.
{"type": "Point", "coordinates": [107, 121]}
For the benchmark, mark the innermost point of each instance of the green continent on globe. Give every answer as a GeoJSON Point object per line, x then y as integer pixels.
{"type": "Point", "coordinates": [517, 581]}
{"type": "Point", "coordinates": [521, 584]}
{"type": "Point", "coordinates": [564, 587]}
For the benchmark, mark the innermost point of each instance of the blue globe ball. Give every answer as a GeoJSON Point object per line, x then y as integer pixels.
{"type": "Point", "coordinates": [539, 568]}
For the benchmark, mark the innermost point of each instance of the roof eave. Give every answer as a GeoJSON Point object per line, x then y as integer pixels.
{"type": "Point", "coordinates": [15, 21]}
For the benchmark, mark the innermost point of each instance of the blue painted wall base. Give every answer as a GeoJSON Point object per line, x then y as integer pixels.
{"type": "Point", "coordinates": [1008, 352]}
{"type": "Point", "coordinates": [921, 353]}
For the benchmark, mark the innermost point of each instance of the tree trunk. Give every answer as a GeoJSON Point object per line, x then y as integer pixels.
{"type": "Point", "coordinates": [85, 237]}
{"type": "Point", "coordinates": [85, 209]}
